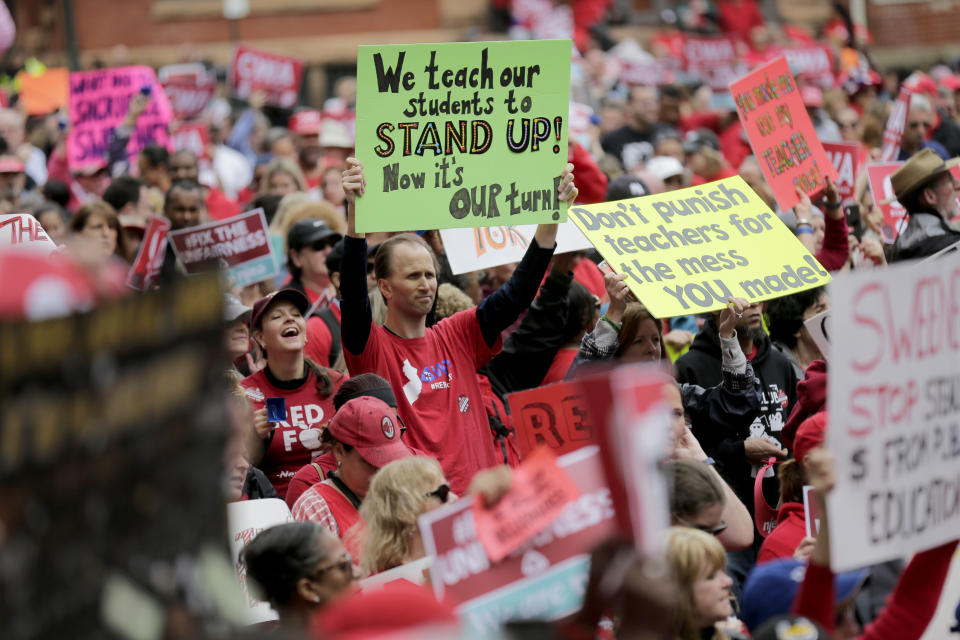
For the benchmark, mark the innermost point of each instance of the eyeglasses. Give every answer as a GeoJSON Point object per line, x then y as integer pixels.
{"type": "Point", "coordinates": [441, 493]}
{"type": "Point", "coordinates": [320, 245]}
{"type": "Point", "coordinates": [848, 125]}
{"type": "Point", "coordinates": [344, 564]}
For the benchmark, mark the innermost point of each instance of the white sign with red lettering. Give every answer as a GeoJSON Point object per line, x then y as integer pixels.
{"type": "Point", "coordinates": [245, 521]}
{"type": "Point", "coordinates": [894, 400]}
{"type": "Point", "coordinates": [23, 231]}
{"type": "Point", "coordinates": [276, 75]}
{"type": "Point", "coordinates": [896, 123]}
{"type": "Point", "coordinates": [485, 247]}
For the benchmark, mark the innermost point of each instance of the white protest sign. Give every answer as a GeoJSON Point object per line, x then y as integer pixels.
{"type": "Point", "coordinates": [894, 402]}
{"type": "Point", "coordinates": [245, 521]}
{"type": "Point", "coordinates": [818, 327]}
{"type": "Point", "coordinates": [481, 248]}
{"type": "Point", "coordinates": [811, 511]}
{"type": "Point", "coordinates": [24, 231]}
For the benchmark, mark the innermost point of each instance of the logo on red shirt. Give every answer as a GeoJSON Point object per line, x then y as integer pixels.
{"type": "Point", "coordinates": [464, 402]}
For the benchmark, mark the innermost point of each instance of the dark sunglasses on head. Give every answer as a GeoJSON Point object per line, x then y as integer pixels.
{"type": "Point", "coordinates": [441, 493]}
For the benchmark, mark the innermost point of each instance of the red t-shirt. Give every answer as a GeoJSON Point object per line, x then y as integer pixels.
{"type": "Point", "coordinates": [589, 275]}
{"type": "Point", "coordinates": [308, 475]}
{"type": "Point", "coordinates": [319, 338]}
{"type": "Point", "coordinates": [295, 442]}
{"type": "Point", "coordinates": [438, 395]}
{"type": "Point", "coordinates": [219, 206]}
{"type": "Point", "coordinates": [561, 364]}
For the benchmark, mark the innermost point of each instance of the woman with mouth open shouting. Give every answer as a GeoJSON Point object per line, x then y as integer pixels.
{"type": "Point", "coordinates": [305, 389]}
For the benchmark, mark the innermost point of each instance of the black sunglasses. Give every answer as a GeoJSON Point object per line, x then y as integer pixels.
{"type": "Point", "coordinates": [441, 493]}
{"type": "Point", "coordinates": [320, 245]}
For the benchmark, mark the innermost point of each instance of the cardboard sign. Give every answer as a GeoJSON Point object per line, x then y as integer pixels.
{"type": "Point", "coordinates": [189, 88]}
{"type": "Point", "coordinates": [44, 93]}
{"type": "Point", "coordinates": [713, 59]}
{"type": "Point", "coordinates": [277, 75]}
{"type": "Point", "coordinates": [811, 512]}
{"type": "Point", "coordinates": [23, 231]}
{"type": "Point", "coordinates": [896, 123]}
{"type": "Point", "coordinates": [688, 251]}
{"type": "Point", "coordinates": [121, 471]}
{"type": "Point", "coordinates": [818, 327]}
{"type": "Point", "coordinates": [554, 416]}
{"type": "Point", "coordinates": [192, 136]}
{"type": "Point", "coordinates": [539, 492]}
{"type": "Point", "coordinates": [845, 157]}
{"type": "Point", "coordinates": [99, 101]}
{"type": "Point", "coordinates": [485, 247]}
{"type": "Point", "coordinates": [781, 133]}
{"type": "Point", "coordinates": [545, 578]}
{"type": "Point", "coordinates": [240, 245]}
{"type": "Point", "coordinates": [894, 215]}
{"type": "Point", "coordinates": [146, 267]}
{"type": "Point", "coordinates": [894, 416]}
{"type": "Point", "coordinates": [634, 430]}
{"type": "Point", "coordinates": [463, 134]}
{"type": "Point", "coordinates": [245, 520]}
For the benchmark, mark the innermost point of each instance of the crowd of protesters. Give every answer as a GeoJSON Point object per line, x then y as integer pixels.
{"type": "Point", "coordinates": [394, 371]}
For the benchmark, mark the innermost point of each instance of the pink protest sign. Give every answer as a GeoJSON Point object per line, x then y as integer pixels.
{"type": "Point", "coordinates": [99, 101]}
{"type": "Point", "coordinates": [897, 121]}
{"type": "Point", "coordinates": [253, 70]}
{"type": "Point", "coordinates": [539, 493]}
{"type": "Point", "coordinates": [781, 133]}
{"type": "Point", "coordinates": [844, 156]}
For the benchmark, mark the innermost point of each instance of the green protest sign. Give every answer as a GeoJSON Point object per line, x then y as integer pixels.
{"type": "Point", "coordinates": [463, 134]}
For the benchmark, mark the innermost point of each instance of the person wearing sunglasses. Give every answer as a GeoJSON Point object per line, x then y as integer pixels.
{"type": "Point", "coordinates": [363, 436]}
{"type": "Point", "coordinates": [299, 567]}
{"type": "Point", "coordinates": [308, 243]}
{"type": "Point", "coordinates": [921, 121]}
{"type": "Point", "coordinates": [399, 493]}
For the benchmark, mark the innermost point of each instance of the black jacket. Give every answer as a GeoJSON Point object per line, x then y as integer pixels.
{"type": "Point", "coordinates": [725, 440]}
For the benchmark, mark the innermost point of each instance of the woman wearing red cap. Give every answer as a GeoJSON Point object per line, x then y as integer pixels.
{"type": "Point", "coordinates": [363, 436]}
{"type": "Point", "coordinates": [303, 388]}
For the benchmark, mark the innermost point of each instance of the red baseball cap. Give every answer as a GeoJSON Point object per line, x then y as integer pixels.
{"type": "Point", "coordinates": [260, 306]}
{"type": "Point", "coordinates": [812, 96]}
{"type": "Point", "coordinates": [370, 426]}
{"type": "Point", "coordinates": [810, 435]}
{"type": "Point", "coordinates": [950, 82]}
{"type": "Point", "coordinates": [306, 122]}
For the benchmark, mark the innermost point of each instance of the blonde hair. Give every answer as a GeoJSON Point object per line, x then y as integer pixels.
{"type": "Point", "coordinates": [691, 554]}
{"type": "Point", "coordinates": [283, 165]}
{"type": "Point", "coordinates": [287, 204]}
{"type": "Point", "coordinates": [397, 496]}
{"type": "Point", "coordinates": [313, 210]}
{"type": "Point", "coordinates": [450, 300]}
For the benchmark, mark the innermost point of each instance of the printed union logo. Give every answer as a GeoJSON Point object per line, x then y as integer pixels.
{"type": "Point", "coordinates": [533, 563]}
{"type": "Point", "coordinates": [386, 425]}
{"type": "Point", "coordinates": [464, 403]}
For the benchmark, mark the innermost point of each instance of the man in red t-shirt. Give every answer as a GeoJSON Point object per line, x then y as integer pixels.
{"type": "Point", "coordinates": [433, 371]}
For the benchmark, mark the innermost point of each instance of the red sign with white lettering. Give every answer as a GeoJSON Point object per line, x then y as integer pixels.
{"type": "Point", "coordinates": [146, 267]}
{"type": "Point", "coordinates": [894, 215]}
{"type": "Point", "coordinates": [461, 569]}
{"type": "Point", "coordinates": [189, 88]}
{"type": "Point", "coordinates": [714, 59]}
{"type": "Point", "coordinates": [844, 156]}
{"type": "Point", "coordinates": [278, 76]}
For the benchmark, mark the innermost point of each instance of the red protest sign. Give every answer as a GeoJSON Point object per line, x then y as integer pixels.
{"type": "Point", "coordinates": [812, 62]}
{"type": "Point", "coordinates": [896, 123]}
{"type": "Point", "coordinates": [811, 511]}
{"type": "Point", "coordinates": [894, 215]}
{"type": "Point", "coordinates": [780, 132]}
{"type": "Point", "coordinates": [461, 569]}
{"type": "Point", "coordinates": [146, 267]}
{"type": "Point", "coordinates": [844, 156]}
{"type": "Point", "coordinates": [253, 70]}
{"type": "Point", "coordinates": [554, 416]}
{"type": "Point", "coordinates": [714, 59]}
{"type": "Point", "coordinates": [539, 492]}
{"type": "Point", "coordinates": [189, 87]}
{"type": "Point", "coordinates": [192, 136]}
{"type": "Point", "coordinates": [633, 426]}
{"type": "Point", "coordinates": [239, 244]}
{"type": "Point", "coordinates": [99, 101]}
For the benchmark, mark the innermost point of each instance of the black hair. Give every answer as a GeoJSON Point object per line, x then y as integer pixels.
{"type": "Point", "coordinates": [185, 185]}
{"type": "Point", "coordinates": [44, 207]}
{"type": "Point", "coordinates": [156, 155]}
{"type": "Point", "coordinates": [365, 384]}
{"type": "Point", "coordinates": [123, 191]}
{"type": "Point", "coordinates": [672, 91]}
{"type": "Point", "coordinates": [56, 191]}
{"type": "Point", "coordinates": [269, 202]}
{"type": "Point", "coordinates": [785, 315]}
{"type": "Point", "coordinates": [281, 556]}
{"type": "Point", "coordinates": [334, 257]}
{"type": "Point", "coordinates": [581, 306]}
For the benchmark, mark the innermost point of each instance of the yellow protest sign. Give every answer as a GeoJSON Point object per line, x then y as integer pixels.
{"type": "Point", "coordinates": [687, 251]}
